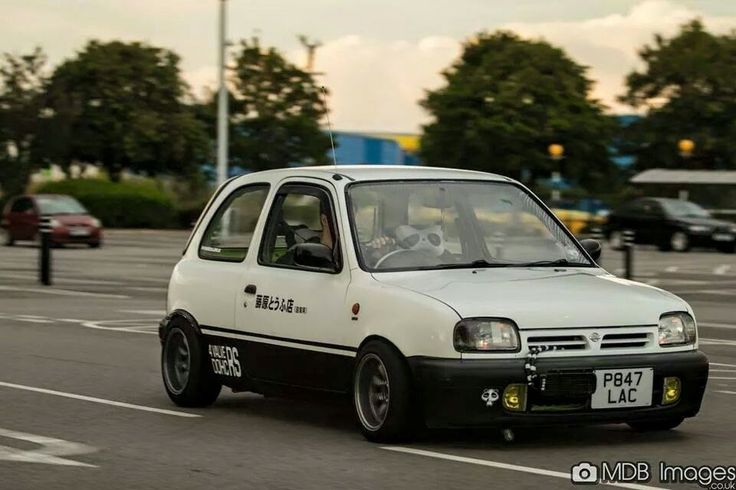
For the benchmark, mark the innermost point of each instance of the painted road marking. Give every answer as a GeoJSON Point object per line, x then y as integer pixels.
{"type": "Point", "coordinates": [726, 392]}
{"type": "Point", "coordinates": [672, 268]}
{"type": "Point", "coordinates": [722, 371]}
{"type": "Point", "coordinates": [718, 342]}
{"type": "Point", "coordinates": [64, 292]}
{"type": "Point", "coordinates": [717, 325]}
{"type": "Point", "coordinates": [102, 401]}
{"type": "Point", "coordinates": [144, 325]}
{"type": "Point", "coordinates": [503, 466]}
{"type": "Point", "coordinates": [160, 313]}
{"type": "Point", "coordinates": [722, 365]}
{"type": "Point", "coordinates": [719, 377]}
{"type": "Point", "coordinates": [50, 451]}
{"type": "Point", "coordinates": [721, 269]}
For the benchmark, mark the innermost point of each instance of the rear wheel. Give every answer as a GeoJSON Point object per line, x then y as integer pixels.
{"type": "Point", "coordinates": [188, 378]}
{"type": "Point", "coordinates": [616, 240]}
{"type": "Point", "coordinates": [655, 425]}
{"type": "Point", "coordinates": [382, 393]}
{"type": "Point", "coordinates": [6, 237]}
{"type": "Point", "coordinates": [680, 241]}
{"type": "Point", "coordinates": [728, 249]}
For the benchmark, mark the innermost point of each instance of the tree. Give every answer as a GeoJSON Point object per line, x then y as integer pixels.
{"type": "Point", "coordinates": [506, 100]}
{"type": "Point", "coordinates": [275, 111]}
{"type": "Point", "coordinates": [122, 105]}
{"type": "Point", "coordinates": [688, 91]}
{"type": "Point", "coordinates": [22, 80]}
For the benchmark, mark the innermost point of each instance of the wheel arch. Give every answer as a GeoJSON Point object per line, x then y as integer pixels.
{"type": "Point", "coordinates": [176, 317]}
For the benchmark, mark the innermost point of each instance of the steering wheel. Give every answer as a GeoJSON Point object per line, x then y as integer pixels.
{"type": "Point", "coordinates": [401, 251]}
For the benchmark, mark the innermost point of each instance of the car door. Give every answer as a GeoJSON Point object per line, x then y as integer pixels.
{"type": "Point", "coordinates": [23, 219]}
{"type": "Point", "coordinates": [296, 317]}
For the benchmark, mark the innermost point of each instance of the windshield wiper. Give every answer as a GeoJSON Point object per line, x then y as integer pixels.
{"type": "Point", "coordinates": [550, 263]}
{"type": "Point", "coordinates": [476, 264]}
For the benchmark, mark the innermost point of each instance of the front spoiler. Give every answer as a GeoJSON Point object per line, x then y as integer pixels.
{"type": "Point", "coordinates": [450, 390]}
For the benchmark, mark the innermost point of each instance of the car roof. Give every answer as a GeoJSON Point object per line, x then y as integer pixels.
{"type": "Point", "coordinates": [378, 172]}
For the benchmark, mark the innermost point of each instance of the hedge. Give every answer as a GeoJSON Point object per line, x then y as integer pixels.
{"type": "Point", "coordinates": [127, 204]}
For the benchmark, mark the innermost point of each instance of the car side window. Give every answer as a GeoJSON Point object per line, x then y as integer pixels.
{"type": "Point", "coordinates": [300, 214]}
{"type": "Point", "coordinates": [21, 205]}
{"type": "Point", "coordinates": [229, 232]}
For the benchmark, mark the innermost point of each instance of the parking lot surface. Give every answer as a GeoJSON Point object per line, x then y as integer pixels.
{"type": "Point", "coordinates": [82, 404]}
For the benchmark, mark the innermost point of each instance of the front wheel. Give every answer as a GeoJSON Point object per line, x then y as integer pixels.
{"type": "Point", "coordinates": [655, 425]}
{"type": "Point", "coordinates": [383, 397]}
{"type": "Point", "coordinates": [188, 378]}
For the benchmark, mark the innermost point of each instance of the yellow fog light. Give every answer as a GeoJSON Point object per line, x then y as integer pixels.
{"type": "Point", "coordinates": [514, 398]}
{"type": "Point", "coordinates": [671, 389]}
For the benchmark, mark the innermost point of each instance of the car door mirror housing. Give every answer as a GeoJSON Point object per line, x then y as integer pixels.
{"type": "Point", "coordinates": [593, 247]}
{"type": "Point", "coordinates": [314, 256]}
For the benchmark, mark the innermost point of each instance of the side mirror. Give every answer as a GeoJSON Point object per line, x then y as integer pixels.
{"type": "Point", "coordinates": [314, 256]}
{"type": "Point", "coordinates": [593, 247]}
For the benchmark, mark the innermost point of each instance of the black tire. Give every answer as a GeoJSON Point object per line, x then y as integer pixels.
{"type": "Point", "coordinates": [400, 417]}
{"type": "Point", "coordinates": [728, 249]}
{"type": "Point", "coordinates": [198, 387]}
{"type": "Point", "coordinates": [94, 244]}
{"type": "Point", "coordinates": [655, 425]}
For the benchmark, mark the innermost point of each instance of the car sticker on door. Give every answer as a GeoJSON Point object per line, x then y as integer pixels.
{"type": "Point", "coordinates": [274, 303]}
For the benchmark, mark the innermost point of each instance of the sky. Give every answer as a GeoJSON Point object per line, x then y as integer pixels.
{"type": "Point", "coordinates": [378, 57]}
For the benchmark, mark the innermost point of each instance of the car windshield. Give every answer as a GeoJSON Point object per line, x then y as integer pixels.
{"type": "Point", "coordinates": [59, 205]}
{"type": "Point", "coordinates": [685, 209]}
{"type": "Point", "coordinates": [413, 225]}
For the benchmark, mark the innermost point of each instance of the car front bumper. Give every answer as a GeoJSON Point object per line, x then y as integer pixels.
{"type": "Point", "coordinates": [451, 390]}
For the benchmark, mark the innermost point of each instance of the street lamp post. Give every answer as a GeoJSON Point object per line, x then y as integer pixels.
{"type": "Point", "coordinates": [556, 152]}
{"type": "Point", "coordinates": [222, 108]}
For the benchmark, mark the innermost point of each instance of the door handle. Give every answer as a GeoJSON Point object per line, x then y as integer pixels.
{"type": "Point", "coordinates": [250, 289]}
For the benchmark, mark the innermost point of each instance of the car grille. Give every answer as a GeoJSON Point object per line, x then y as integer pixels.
{"type": "Point", "coordinates": [625, 340]}
{"type": "Point", "coordinates": [567, 383]}
{"type": "Point", "coordinates": [558, 342]}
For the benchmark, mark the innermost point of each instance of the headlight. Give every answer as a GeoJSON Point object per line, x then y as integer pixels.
{"type": "Point", "coordinates": [699, 228]}
{"type": "Point", "coordinates": [55, 223]}
{"type": "Point", "coordinates": [676, 329]}
{"type": "Point", "coordinates": [486, 335]}
{"type": "Point", "coordinates": [96, 223]}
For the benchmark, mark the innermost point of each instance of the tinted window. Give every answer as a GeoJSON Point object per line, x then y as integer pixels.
{"type": "Point", "coordinates": [21, 205]}
{"type": "Point", "coordinates": [229, 233]}
{"type": "Point", "coordinates": [300, 214]}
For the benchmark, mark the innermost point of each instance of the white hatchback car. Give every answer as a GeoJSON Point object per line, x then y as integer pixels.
{"type": "Point", "coordinates": [432, 296]}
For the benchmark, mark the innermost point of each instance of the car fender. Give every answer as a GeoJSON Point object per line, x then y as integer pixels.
{"type": "Point", "coordinates": [416, 324]}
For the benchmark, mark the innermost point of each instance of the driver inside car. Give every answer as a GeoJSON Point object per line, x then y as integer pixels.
{"type": "Point", "coordinates": [428, 241]}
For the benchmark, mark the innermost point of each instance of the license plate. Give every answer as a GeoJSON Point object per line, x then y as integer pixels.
{"type": "Point", "coordinates": [622, 388]}
{"type": "Point", "coordinates": [78, 231]}
{"type": "Point", "coordinates": [723, 237]}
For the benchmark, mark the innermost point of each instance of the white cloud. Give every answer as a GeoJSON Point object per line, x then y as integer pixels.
{"type": "Point", "coordinates": [376, 84]}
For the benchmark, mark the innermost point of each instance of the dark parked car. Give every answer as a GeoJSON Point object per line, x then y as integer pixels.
{"type": "Point", "coordinates": [70, 221]}
{"type": "Point", "coordinates": [671, 224]}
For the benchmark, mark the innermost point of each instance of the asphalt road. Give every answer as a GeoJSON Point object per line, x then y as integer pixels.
{"type": "Point", "coordinates": [82, 403]}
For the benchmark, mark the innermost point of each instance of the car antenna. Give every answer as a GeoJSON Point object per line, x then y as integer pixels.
{"type": "Point", "coordinates": [323, 90]}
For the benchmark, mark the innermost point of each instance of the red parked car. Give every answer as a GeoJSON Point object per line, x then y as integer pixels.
{"type": "Point", "coordinates": [70, 221]}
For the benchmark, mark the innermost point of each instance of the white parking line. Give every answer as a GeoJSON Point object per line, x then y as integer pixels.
{"type": "Point", "coordinates": [719, 377]}
{"type": "Point", "coordinates": [503, 466]}
{"type": "Point", "coordinates": [726, 392]}
{"type": "Point", "coordinates": [64, 292]}
{"type": "Point", "coordinates": [98, 400]}
{"type": "Point", "coordinates": [721, 269]}
{"type": "Point", "coordinates": [722, 365]}
{"type": "Point", "coordinates": [722, 371]}
{"type": "Point", "coordinates": [50, 451]}
{"type": "Point", "coordinates": [717, 325]}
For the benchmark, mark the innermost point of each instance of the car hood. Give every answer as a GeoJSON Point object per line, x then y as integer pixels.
{"type": "Point", "coordinates": [542, 297]}
{"type": "Point", "coordinates": [73, 219]}
{"type": "Point", "coordinates": [712, 222]}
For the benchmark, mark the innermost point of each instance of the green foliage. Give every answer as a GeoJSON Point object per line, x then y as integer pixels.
{"type": "Point", "coordinates": [275, 111]}
{"type": "Point", "coordinates": [128, 204]}
{"type": "Point", "coordinates": [506, 100]}
{"type": "Point", "coordinates": [688, 87]}
{"type": "Point", "coordinates": [22, 80]}
{"type": "Point", "coordinates": [122, 105]}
